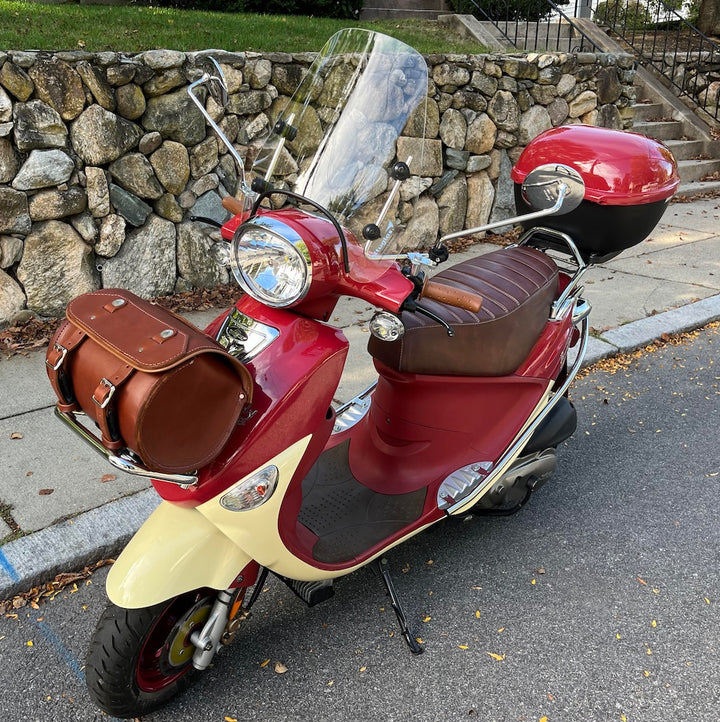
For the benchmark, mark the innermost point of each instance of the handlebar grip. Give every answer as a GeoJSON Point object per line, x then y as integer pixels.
{"type": "Point", "coordinates": [235, 206]}
{"type": "Point", "coordinates": [452, 296]}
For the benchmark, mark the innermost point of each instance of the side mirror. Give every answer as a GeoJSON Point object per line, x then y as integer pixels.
{"type": "Point", "coordinates": [215, 81]}
{"type": "Point", "coordinates": [549, 184]}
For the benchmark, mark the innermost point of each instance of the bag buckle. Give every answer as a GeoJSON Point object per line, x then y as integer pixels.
{"type": "Point", "coordinates": [57, 364]}
{"type": "Point", "coordinates": [107, 392]}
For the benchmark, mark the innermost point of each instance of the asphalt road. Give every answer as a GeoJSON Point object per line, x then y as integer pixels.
{"type": "Point", "coordinates": [599, 601]}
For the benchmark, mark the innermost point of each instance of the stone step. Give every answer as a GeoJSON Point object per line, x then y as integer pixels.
{"type": "Point", "coordinates": [698, 188]}
{"type": "Point", "coordinates": [644, 112]}
{"type": "Point", "coordinates": [372, 13]}
{"type": "Point", "coordinates": [425, 9]}
{"type": "Point", "coordinates": [693, 170]}
{"type": "Point", "coordinates": [685, 149]}
{"type": "Point", "coordinates": [660, 130]}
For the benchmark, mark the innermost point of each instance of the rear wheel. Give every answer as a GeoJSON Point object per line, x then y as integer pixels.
{"type": "Point", "coordinates": [140, 658]}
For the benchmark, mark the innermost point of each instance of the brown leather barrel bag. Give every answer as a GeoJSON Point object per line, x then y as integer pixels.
{"type": "Point", "coordinates": [152, 382]}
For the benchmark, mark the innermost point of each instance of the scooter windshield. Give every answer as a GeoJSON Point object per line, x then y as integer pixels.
{"type": "Point", "coordinates": [359, 110]}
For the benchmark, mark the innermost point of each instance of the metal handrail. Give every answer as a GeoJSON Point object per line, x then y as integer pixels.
{"type": "Point", "coordinates": [652, 30]}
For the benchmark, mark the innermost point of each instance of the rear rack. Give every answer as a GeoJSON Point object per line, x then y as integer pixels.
{"type": "Point", "coordinates": [562, 249]}
{"type": "Point", "coordinates": [125, 461]}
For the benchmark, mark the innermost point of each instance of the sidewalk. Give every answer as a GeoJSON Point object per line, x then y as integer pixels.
{"type": "Point", "coordinates": [75, 509]}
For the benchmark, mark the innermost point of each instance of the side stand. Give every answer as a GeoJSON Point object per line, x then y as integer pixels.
{"type": "Point", "coordinates": [410, 637]}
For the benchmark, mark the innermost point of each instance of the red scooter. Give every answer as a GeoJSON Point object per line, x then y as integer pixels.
{"type": "Point", "coordinates": [473, 366]}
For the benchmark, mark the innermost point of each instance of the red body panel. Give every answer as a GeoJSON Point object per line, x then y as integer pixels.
{"type": "Point", "coordinates": [295, 379]}
{"type": "Point", "coordinates": [419, 429]}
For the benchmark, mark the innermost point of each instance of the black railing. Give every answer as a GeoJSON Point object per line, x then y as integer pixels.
{"type": "Point", "coordinates": [530, 24]}
{"type": "Point", "coordinates": [659, 36]}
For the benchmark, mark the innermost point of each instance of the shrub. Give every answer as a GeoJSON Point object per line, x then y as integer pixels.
{"type": "Point", "coordinates": [623, 14]}
{"type": "Point", "coordinates": [318, 8]}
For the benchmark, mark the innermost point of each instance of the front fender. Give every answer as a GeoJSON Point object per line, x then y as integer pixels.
{"type": "Point", "coordinates": [175, 551]}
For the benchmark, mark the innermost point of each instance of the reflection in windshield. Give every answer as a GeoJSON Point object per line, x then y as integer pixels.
{"type": "Point", "coordinates": [345, 120]}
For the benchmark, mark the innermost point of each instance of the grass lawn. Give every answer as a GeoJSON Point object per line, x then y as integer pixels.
{"type": "Point", "coordinates": [132, 28]}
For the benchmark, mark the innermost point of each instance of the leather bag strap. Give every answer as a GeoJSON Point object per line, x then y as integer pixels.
{"type": "Point", "coordinates": [68, 338]}
{"type": "Point", "coordinates": [102, 396]}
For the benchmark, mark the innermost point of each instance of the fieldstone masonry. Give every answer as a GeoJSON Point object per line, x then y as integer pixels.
{"type": "Point", "coordinates": [103, 157]}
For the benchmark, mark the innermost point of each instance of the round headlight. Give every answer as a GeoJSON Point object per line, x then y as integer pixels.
{"type": "Point", "coordinates": [271, 262]}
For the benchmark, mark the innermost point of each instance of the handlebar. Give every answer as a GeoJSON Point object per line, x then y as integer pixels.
{"type": "Point", "coordinates": [233, 205]}
{"type": "Point", "coordinates": [466, 300]}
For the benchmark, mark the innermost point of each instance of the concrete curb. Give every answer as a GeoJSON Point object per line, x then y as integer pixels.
{"type": "Point", "coordinates": [72, 544]}
{"type": "Point", "coordinates": [102, 532]}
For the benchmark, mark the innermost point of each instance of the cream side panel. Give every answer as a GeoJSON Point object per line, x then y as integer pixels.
{"type": "Point", "coordinates": [256, 531]}
{"type": "Point", "coordinates": [176, 550]}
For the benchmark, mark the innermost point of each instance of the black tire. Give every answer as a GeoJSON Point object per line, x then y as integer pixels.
{"type": "Point", "coordinates": [139, 658]}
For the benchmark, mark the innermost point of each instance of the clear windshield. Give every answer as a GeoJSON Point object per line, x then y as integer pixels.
{"type": "Point", "coordinates": [358, 111]}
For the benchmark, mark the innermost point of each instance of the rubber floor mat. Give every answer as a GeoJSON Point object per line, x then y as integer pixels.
{"type": "Point", "coordinates": [347, 517]}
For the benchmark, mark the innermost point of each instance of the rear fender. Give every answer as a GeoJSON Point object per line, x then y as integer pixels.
{"type": "Point", "coordinates": [175, 551]}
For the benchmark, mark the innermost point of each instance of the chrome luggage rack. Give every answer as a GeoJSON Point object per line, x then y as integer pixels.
{"type": "Point", "coordinates": [562, 249]}
{"type": "Point", "coordinates": [126, 460]}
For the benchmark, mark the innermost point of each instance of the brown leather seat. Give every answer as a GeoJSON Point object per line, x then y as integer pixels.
{"type": "Point", "coordinates": [518, 286]}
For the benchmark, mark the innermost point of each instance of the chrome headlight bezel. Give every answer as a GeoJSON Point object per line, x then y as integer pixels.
{"type": "Point", "coordinates": [275, 234]}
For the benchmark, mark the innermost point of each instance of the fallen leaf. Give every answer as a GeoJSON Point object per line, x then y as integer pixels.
{"type": "Point", "coordinates": [642, 581]}
{"type": "Point", "coordinates": [331, 683]}
{"type": "Point", "coordinates": [16, 435]}
{"type": "Point", "coordinates": [463, 646]}
{"type": "Point", "coordinates": [46, 492]}
{"type": "Point", "coordinates": [543, 719]}
{"type": "Point", "coordinates": [646, 673]}
{"type": "Point", "coordinates": [29, 643]}
{"type": "Point", "coordinates": [477, 613]}
{"type": "Point", "coordinates": [498, 657]}
{"type": "Point", "coordinates": [107, 477]}
{"type": "Point", "coordinates": [280, 668]}
{"type": "Point", "coordinates": [265, 663]}
{"type": "Point", "coordinates": [653, 623]}
{"type": "Point", "coordinates": [427, 619]}
{"type": "Point", "coordinates": [362, 669]}
{"type": "Point", "coordinates": [230, 719]}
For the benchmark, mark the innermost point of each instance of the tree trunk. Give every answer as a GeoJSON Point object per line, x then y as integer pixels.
{"type": "Point", "coordinates": [709, 17]}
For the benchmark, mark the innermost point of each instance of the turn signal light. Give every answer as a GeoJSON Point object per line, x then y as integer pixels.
{"type": "Point", "coordinates": [252, 492]}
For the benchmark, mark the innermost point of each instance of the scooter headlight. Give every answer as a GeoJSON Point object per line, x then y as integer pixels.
{"type": "Point", "coordinates": [271, 262]}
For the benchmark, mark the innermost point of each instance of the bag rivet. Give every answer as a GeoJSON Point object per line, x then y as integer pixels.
{"type": "Point", "coordinates": [141, 349]}
{"type": "Point", "coordinates": [118, 302]}
{"type": "Point", "coordinates": [167, 333]}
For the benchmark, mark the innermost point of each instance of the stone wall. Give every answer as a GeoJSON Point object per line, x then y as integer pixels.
{"type": "Point", "coordinates": [102, 156]}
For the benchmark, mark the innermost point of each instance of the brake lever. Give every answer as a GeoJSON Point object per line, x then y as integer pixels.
{"type": "Point", "coordinates": [425, 312]}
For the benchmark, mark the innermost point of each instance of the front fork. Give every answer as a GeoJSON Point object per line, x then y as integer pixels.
{"type": "Point", "coordinates": [226, 615]}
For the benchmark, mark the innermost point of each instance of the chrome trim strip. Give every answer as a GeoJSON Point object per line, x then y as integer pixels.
{"type": "Point", "coordinates": [347, 415]}
{"type": "Point", "coordinates": [244, 337]}
{"type": "Point", "coordinates": [524, 437]}
{"type": "Point", "coordinates": [123, 463]}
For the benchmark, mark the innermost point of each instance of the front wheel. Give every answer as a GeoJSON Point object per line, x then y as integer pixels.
{"type": "Point", "coordinates": [140, 658]}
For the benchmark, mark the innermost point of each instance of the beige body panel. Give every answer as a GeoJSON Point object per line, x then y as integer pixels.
{"type": "Point", "coordinates": [180, 549]}
{"type": "Point", "coordinates": [176, 550]}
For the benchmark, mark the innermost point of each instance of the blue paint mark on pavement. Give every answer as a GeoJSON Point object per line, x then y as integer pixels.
{"type": "Point", "coordinates": [9, 568]}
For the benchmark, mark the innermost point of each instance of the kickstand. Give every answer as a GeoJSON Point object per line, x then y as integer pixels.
{"type": "Point", "coordinates": [408, 633]}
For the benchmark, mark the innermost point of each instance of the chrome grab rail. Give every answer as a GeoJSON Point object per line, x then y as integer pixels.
{"type": "Point", "coordinates": [123, 463]}
{"type": "Point", "coordinates": [463, 504]}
